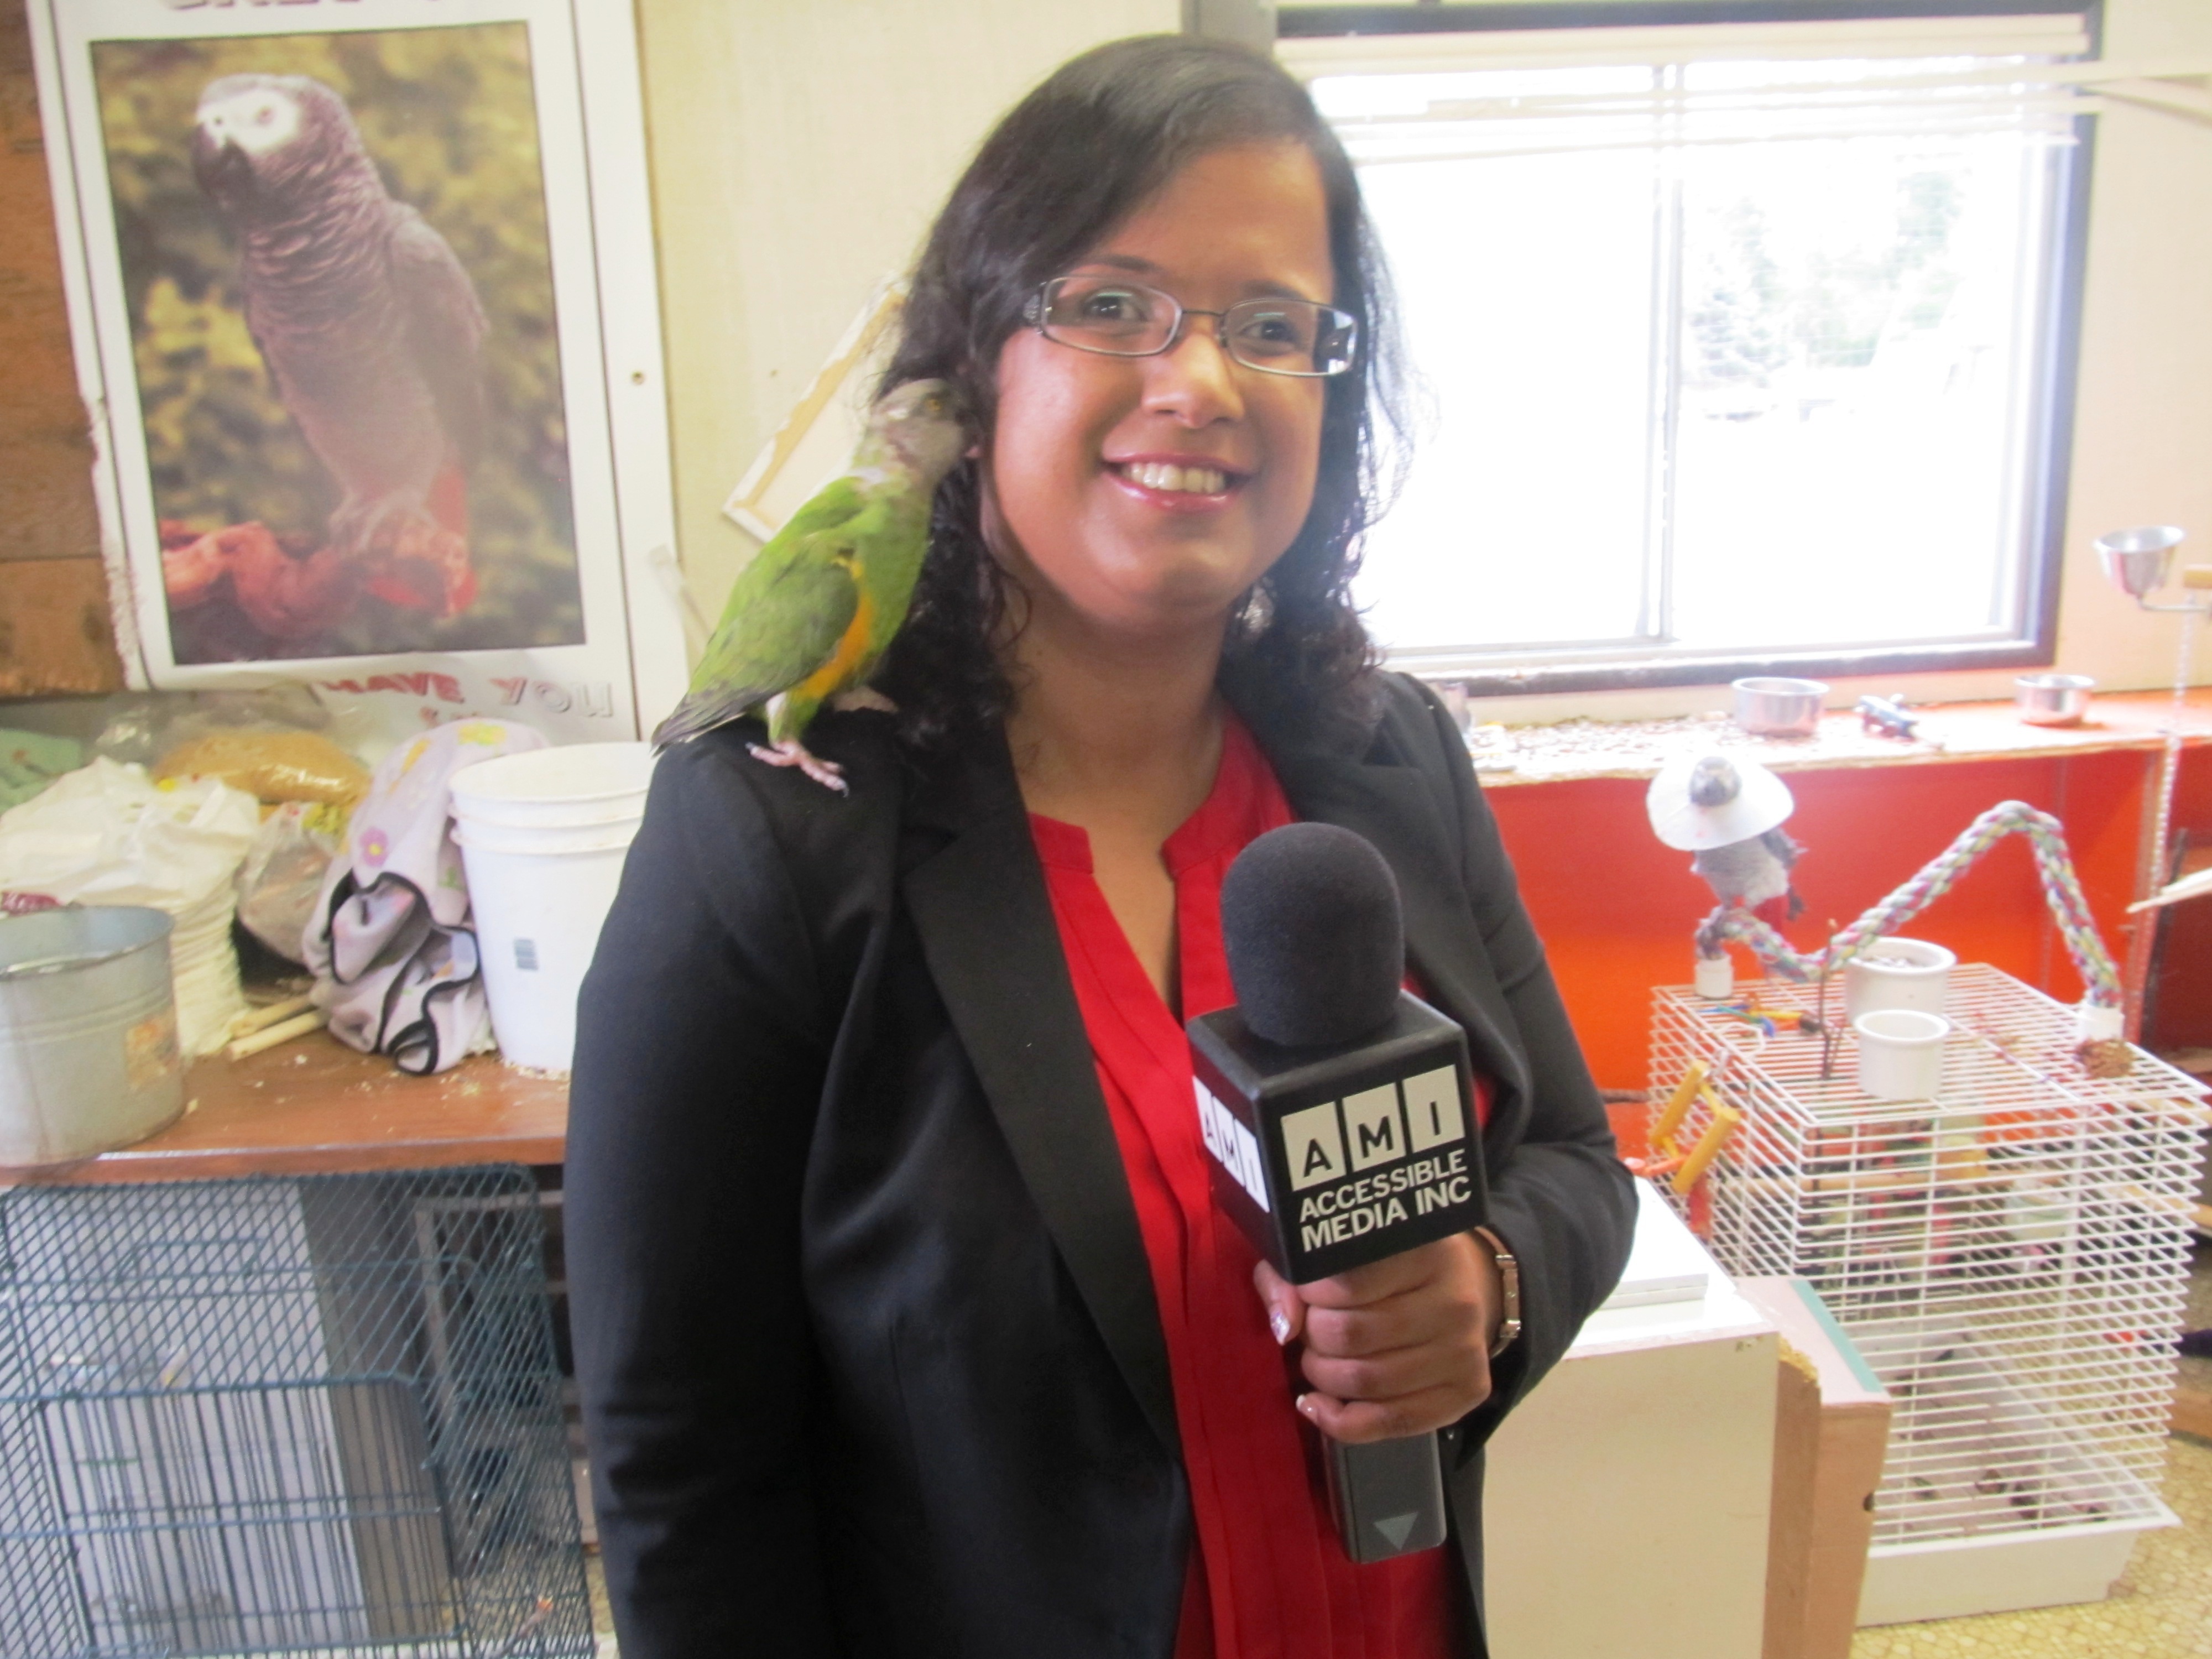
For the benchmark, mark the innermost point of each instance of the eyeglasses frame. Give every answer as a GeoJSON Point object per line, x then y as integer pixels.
{"type": "Point", "coordinates": [1033, 313]}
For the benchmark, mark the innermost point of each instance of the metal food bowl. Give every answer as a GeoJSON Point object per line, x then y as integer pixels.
{"type": "Point", "coordinates": [1777, 708]}
{"type": "Point", "coordinates": [2052, 699]}
{"type": "Point", "coordinates": [89, 1055]}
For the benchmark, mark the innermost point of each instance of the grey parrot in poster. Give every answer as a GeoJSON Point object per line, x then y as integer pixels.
{"type": "Point", "coordinates": [369, 324]}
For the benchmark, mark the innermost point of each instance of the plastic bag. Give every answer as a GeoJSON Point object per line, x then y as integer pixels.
{"type": "Point", "coordinates": [271, 764]}
{"type": "Point", "coordinates": [283, 872]}
{"type": "Point", "coordinates": [142, 729]}
{"type": "Point", "coordinates": [29, 761]}
{"type": "Point", "coordinates": [108, 834]}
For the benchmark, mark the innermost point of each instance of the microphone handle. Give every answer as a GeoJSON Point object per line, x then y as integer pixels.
{"type": "Point", "coordinates": [1388, 1495]}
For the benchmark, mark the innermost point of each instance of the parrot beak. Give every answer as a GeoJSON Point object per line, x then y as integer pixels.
{"type": "Point", "coordinates": [219, 166]}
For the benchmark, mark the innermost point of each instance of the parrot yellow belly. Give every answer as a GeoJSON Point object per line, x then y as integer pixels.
{"type": "Point", "coordinates": [843, 668]}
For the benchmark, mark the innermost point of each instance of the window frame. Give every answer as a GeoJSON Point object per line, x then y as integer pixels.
{"type": "Point", "coordinates": [2057, 333]}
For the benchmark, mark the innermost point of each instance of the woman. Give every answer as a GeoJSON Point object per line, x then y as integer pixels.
{"type": "Point", "coordinates": [904, 1322]}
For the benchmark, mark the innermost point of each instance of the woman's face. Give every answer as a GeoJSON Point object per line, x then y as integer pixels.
{"type": "Point", "coordinates": [1085, 507]}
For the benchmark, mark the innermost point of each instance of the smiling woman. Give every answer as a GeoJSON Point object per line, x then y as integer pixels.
{"type": "Point", "coordinates": [1034, 206]}
{"type": "Point", "coordinates": [1147, 494]}
{"type": "Point", "coordinates": [1004, 1381]}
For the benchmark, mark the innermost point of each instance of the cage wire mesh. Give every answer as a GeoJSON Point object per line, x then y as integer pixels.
{"type": "Point", "coordinates": [301, 1415]}
{"type": "Point", "coordinates": [2011, 1257]}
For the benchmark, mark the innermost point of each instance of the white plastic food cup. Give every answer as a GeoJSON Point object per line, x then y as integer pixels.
{"type": "Point", "coordinates": [1911, 973]}
{"type": "Point", "coordinates": [1901, 1053]}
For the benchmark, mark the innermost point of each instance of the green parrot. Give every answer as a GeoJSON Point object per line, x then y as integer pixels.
{"type": "Point", "coordinates": [810, 617]}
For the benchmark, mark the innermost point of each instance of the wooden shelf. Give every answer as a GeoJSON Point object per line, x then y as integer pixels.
{"type": "Point", "coordinates": [1507, 755]}
{"type": "Point", "coordinates": [315, 1106]}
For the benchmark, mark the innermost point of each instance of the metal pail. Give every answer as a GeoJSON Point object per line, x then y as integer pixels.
{"type": "Point", "coordinates": [88, 1056]}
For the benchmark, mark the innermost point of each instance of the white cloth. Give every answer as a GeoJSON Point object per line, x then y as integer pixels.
{"type": "Point", "coordinates": [390, 945]}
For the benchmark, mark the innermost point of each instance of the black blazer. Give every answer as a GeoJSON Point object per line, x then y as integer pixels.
{"type": "Point", "coordinates": [869, 1356]}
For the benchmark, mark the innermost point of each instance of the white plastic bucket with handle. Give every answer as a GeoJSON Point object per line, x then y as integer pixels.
{"type": "Point", "coordinates": [565, 787]}
{"type": "Point", "coordinates": [542, 837]}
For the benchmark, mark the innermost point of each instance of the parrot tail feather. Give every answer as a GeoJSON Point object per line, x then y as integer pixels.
{"type": "Point", "coordinates": [700, 712]}
{"type": "Point", "coordinates": [792, 752]}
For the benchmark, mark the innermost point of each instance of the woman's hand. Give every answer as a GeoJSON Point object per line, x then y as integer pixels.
{"type": "Point", "coordinates": [1398, 1347]}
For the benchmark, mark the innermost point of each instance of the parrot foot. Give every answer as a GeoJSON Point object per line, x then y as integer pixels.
{"type": "Point", "coordinates": [792, 752]}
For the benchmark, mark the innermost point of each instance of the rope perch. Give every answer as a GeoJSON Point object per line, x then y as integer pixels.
{"type": "Point", "coordinates": [2061, 891]}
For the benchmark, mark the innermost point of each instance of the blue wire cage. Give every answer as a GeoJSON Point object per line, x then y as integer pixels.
{"type": "Point", "coordinates": [311, 1415]}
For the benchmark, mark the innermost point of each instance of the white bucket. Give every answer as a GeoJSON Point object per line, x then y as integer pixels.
{"type": "Point", "coordinates": [578, 783]}
{"type": "Point", "coordinates": [543, 844]}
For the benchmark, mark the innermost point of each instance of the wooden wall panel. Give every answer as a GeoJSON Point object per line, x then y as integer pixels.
{"type": "Point", "coordinates": [50, 568]}
{"type": "Point", "coordinates": [54, 633]}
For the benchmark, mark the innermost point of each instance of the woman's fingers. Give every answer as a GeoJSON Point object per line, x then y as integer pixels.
{"type": "Point", "coordinates": [1425, 1314]}
{"type": "Point", "coordinates": [1285, 1307]}
{"type": "Point", "coordinates": [1452, 1362]}
{"type": "Point", "coordinates": [1358, 1421]}
{"type": "Point", "coordinates": [1402, 1346]}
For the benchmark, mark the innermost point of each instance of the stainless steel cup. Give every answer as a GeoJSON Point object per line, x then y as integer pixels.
{"type": "Point", "coordinates": [1777, 707]}
{"type": "Point", "coordinates": [2052, 699]}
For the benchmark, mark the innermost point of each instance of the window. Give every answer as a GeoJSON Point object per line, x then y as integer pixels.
{"type": "Point", "coordinates": [1747, 346]}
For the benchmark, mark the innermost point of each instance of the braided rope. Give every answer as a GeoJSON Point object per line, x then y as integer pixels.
{"type": "Point", "coordinates": [2061, 891]}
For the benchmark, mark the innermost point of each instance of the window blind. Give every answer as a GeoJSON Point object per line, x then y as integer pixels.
{"type": "Point", "coordinates": [1439, 97]}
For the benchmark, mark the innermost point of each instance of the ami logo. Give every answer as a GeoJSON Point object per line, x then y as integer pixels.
{"type": "Point", "coordinates": [1233, 1146]}
{"type": "Point", "coordinates": [1377, 1126]}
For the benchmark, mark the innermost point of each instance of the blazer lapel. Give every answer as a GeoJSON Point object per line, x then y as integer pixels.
{"type": "Point", "coordinates": [1390, 803]}
{"type": "Point", "coordinates": [977, 896]}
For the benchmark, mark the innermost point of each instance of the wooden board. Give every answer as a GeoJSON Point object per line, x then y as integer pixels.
{"type": "Point", "coordinates": [315, 1105]}
{"type": "Point", "coordinates": [2192, 1413]}
{"type": "Point", "coordinates": [55, 634]}
{"type": "Point", "coordinates": [1830, 1435]}
{"type": "Point", "coordinates": [1948, 734]}
{"type": "Point", "coordinates": [54, 629]}
{"type": "Point", "coordinates": [46, 488]}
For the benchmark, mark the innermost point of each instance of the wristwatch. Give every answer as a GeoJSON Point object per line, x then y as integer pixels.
{"type": "Point", "coordinates": [1508, 1278]}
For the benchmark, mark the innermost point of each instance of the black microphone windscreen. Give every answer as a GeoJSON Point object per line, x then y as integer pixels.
{"type": "Point", "coordinates": [1316, 947]}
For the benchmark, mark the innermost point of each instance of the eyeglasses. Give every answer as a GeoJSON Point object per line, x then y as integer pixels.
{"type": "Point", "coordinates": [1120, 318]}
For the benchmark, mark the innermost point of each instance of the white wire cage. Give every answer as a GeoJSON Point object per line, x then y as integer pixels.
{"type": "Point", "coordinates": [2010, 1257]}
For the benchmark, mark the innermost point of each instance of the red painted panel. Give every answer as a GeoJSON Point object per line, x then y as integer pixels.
{"type": "Point", "coordinates": [2180, 1007]}
{"type": "Point", "coordinates": [1616, 908]}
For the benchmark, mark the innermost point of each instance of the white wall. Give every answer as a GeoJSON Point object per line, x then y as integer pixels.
{"type": "Point", "coordinates": [2143, 430]}
{"type": "Point", "coordinates": [800, 148]}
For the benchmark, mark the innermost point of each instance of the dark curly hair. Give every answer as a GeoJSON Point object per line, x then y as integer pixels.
{"type": "Point", "coordinates": [1067, 164]}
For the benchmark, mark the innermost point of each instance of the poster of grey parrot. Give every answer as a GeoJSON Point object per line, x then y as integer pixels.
{"type": "Point", "coordinates": [337, 268]}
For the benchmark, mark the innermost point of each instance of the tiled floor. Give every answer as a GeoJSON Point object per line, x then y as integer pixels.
{"type": "Point", "coordinates": [2160, 1609]}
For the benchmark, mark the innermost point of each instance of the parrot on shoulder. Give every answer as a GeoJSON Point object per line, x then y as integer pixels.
{"type": "Point", "coordinates": [811, 615]}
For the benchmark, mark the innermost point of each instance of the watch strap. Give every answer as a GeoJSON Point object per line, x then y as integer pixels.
{"type": "Point", "coordinates": [1508, 1278]}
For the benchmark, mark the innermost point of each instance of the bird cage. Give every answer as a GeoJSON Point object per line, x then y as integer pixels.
{"type": "Point", "coordinates": [312, 1415]}
{"type": "Point", "coordinates": [2010, 1258]}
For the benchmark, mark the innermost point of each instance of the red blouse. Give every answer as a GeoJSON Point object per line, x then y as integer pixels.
{"type": "Point", "coordinates": [1268, 1579]}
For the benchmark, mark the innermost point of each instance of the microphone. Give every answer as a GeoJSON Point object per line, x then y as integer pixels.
{"type": "Point", "coordinates": [1337, 1108]}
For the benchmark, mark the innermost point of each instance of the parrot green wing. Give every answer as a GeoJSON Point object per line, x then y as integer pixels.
{"type": "Point", "coordinates": [787, 612]}
{"type": "Point", "coordinates": [827, 528]}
